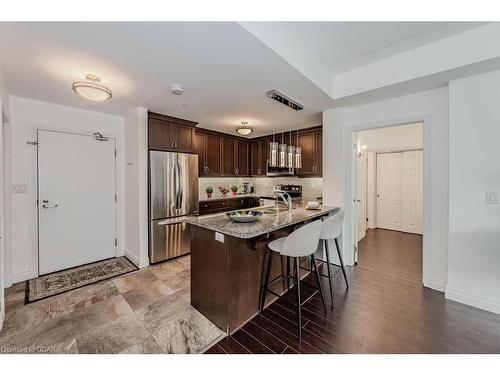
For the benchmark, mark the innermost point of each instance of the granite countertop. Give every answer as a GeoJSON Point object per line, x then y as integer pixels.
{"type": "Point", "coordinates": [268, 223]}
{"type": "Point", "coordinates": [229, 196]}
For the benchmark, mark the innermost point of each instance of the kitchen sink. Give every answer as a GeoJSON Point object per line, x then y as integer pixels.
{"type": "Point", "coordinates": [273, 209]}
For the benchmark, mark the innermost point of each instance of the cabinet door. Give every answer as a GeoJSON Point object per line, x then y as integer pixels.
{"type": "Point", "coordinates": [307, 141]}
{"type": "Point", "coordinates": [183, 138]}
{"type": "Point", "coordinates": [237, 203]}
{"type": "Point", "coordinates": [213, 155]}
{"type": "Point", "coordinates": [199, 149]}
{"type": "Point", "coordinates": [319, 153]}
{"type": "Point", "coordinates": [160, 135]}
{"type": "Point", "coordinates": [264, 154]}
{"type": "Point", "coordinates": [255, 158]}
{"type": "Point", "coordinates": [242, 160]}
{"type": "Point", "coordinates": [229, 156]}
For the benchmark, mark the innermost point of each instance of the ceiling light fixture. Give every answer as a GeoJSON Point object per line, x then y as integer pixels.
{"type": "Point", "coordinates": [244, 129]}
{"type": "Point", "coordinates": [91, 89]}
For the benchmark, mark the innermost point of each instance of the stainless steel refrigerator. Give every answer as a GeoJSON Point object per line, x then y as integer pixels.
{"type": "Point", "coordinates": [173, 196]}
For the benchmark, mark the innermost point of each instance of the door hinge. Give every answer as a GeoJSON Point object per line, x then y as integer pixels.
{"type": "Point", "coordinates": [116, 198]}
{"type": "Point", "coordinates": [116, 242]}
{"type": "Point", "coordinates": [115, 153]}
{"type": "Point", "coordinates": [33, 143]}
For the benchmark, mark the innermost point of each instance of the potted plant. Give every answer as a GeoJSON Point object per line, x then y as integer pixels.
{"type": "Point", "coordinates": [209, 191]}
{"type": "Point", "coordinates": [223, 190]}
{"type": "Point", "coordinates": [234, 189]}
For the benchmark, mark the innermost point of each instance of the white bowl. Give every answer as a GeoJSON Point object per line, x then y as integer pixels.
{"type": "Point", "coordinates": [312, 204]}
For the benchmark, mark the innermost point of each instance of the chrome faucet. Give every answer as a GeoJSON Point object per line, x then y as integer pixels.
{"type": "Point", "coordinates": [286, 198]}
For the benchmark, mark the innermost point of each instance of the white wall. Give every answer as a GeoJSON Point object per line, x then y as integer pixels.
{"type": "Point", "coordinates": [474, 236]}
{"type": "Point", "coordinates": [429, 106]}
{"type": "Point", "coordinates": [394, 138]}
{"type": "Point", "coordinates": [136, 210]}
{"type": "Point", "coordinates": [26, 116]}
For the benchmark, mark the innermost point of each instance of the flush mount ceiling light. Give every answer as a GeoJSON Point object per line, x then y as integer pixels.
{"type": "Point", "coordinates": [244, 129]}
{"type": "Point", "coordinates": [91, 89]}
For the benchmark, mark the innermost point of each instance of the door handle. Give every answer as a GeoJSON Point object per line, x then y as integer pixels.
{"type": "Point", "coordinates": [49, 206]}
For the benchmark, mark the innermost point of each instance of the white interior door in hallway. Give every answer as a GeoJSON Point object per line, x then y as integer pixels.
{"type": "Point", "coordinates": [400, 191]}
{"type": "Point", "coordinates": [76, 200]}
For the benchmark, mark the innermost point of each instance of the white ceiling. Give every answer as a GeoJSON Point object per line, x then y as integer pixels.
{"type": "Point", "coordinates": [341, 46]}
{"type": "Point", "coordinates": [224, 69]}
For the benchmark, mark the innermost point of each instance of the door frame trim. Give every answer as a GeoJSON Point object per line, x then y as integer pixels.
{"type": "Point", "coordinates": [350, 183]}
{"type": "Point", "coordinates": [33, 191]}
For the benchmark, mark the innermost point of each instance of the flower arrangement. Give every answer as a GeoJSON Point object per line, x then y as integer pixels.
{"type": "Point", "coordinates": [209, 191]}
{"type": "Point", "coordinates": [234, 189]}
{"type": "Point", "coordinates": [223, 190]}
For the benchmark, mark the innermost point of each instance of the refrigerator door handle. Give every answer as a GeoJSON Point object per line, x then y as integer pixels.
{"type": "Point", "coordinates": [176, 183]}
{"type": "Point", "coordinates": [179, 179]}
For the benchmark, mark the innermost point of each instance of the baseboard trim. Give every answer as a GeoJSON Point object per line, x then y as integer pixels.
{"type": "Point", "coordinates": [471, 299]}
{"type": "Point", "coordinates": [21, 276]}
{"type": "Point", "coordinates": [436, 284]}
{"type": "Point", "coordinates": [139, 262]}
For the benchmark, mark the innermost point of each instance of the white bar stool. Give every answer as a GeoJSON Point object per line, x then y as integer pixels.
{"type": "Point", "coordinates": [302, 242]}
{"type": "Point", "coordinates": [331, 230]}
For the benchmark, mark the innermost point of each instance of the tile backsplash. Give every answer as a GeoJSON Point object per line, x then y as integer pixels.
{"type": "Point", "coordinates": [312, 188]}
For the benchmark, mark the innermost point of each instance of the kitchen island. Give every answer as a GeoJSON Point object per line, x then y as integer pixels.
{"type": "Point", "coordinates": [228, 262]}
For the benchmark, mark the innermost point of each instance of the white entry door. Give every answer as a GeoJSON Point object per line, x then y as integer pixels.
{"type": "Point", "coordinates": [361, 196]}
{"type": "Point", "coordinates": [76, 200]}
{"type": "Point", "coordinates": [390, 191]}
{"type": "Point", "coordinates": [413, 185]}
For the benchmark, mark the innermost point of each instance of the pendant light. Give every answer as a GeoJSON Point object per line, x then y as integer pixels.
{"type": "Point", "coordinates": [282, 152]}
{"type": "Point", "coordinates": [273, 151]}
{"type": "Point", "coordinates": [298, 152]}
{"type": "Point", "coordinates": [291, 152]}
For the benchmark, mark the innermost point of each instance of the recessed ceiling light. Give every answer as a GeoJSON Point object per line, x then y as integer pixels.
{"type": "Point", "coordinates": [244, 129]}
{"type": "Point", "coordinates": [91, 89]}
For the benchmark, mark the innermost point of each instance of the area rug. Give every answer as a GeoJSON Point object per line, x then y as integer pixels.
{"type": "Point", "coordinates": [73, 278]}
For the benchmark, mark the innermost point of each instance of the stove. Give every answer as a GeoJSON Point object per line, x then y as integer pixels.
{"type": "Point", "coordinates": [295, 191]}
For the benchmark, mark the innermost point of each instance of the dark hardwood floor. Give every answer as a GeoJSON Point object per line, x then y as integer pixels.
{"type": "Point", "coordinates": [385, 310]}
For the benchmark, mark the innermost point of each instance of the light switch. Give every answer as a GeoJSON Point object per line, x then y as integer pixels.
{"type": "Point", "coordinates": [219, 237]}
{"type": "Point", "coordinates": [19, 188]}
{"type": "Point", "coordinates": [492, 197]}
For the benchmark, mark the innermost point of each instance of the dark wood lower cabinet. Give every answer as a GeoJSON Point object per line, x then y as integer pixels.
{"type": "Point", "coordinates": [227, 204]}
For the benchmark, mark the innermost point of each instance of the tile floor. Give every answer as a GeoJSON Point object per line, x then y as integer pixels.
{"type": "Point", "coordinates": [146, 311]}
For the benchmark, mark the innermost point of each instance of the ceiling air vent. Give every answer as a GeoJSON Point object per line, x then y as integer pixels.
{"type": "Point", "coordinates": [279, 97]}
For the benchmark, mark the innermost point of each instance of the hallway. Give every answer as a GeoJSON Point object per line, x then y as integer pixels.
{"type": "Point", "coordinates": [392, 253]}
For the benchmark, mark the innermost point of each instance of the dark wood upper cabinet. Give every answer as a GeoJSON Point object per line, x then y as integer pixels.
{"type": "Point", "coordinates": [311, 143]}
{"type": "Point", "coordinates": [229, 150]}
{"type": "Point", "coordinates": [213, 155]}
{"type": "Point", "coordinates": [159, 134]}
{"type": "Point", "coordinates": [166, 133]}
{"type": "Point", "coordinates": [200, 150]}
{"type": "Point", "coordinates": [242, 158]}
{"type": "Point", "coordinates": [307, 143]}
{"type": "Point", "coordinates": [208, 149]}
{"type": "Point", "coordinates": [222, 154]}
{"type": "Point", "coordinates": [319, 152]}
